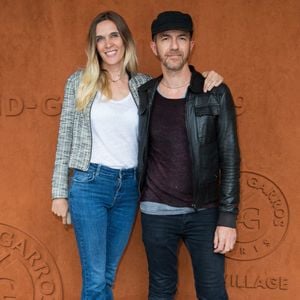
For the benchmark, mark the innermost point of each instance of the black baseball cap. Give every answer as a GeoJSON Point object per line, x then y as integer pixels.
{"type": "Point", "coordinates": [172, 20]}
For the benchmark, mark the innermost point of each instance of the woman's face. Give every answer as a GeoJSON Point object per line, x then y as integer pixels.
{"type": "Point", "coordinates": [109, 45]}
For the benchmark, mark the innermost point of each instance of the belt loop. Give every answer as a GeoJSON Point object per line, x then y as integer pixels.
{"type": "Point", "coordinates": [120, 174]}
{"type": "Point", "coordinates": [98, 169]}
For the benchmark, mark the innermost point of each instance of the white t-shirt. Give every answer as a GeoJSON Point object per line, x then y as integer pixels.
{"type": "Point", "coordinates": [114, 132]}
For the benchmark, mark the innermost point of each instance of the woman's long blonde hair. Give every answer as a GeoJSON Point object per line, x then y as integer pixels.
{"type": "Point", "coordinates": [94, 77]}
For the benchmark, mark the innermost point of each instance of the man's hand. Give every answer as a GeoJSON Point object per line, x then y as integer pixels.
{"type": "Point", "coordinates": [212, 79]}
{"type": "Point", "coordinates": [60, 208]}
{"type": "Point", "coordinates": [224, 240]}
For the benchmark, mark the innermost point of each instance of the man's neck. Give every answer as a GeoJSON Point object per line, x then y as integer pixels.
{"type": "Point", "coordinates": [174, 78]}
{"type": "Point", "coordinates": [174, 83]}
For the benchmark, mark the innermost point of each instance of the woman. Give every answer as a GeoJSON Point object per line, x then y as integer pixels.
{"type": "Point", "coordinates": [98, 141]}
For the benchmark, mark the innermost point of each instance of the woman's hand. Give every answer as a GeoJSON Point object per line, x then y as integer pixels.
{"type": "Point", "coordinates": [212, 79]}
{"type": "Point", "coordinates": [60, 208]}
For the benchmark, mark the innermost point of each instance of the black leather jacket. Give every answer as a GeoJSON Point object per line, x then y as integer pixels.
{"type": "Point", "coordinates": [211, 130]}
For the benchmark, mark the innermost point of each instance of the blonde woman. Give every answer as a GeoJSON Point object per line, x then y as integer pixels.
{"type": "Point", "coordinates": [98, 141]}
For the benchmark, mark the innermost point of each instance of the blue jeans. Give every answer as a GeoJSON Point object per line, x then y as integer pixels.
{"type": "Point", "coordinates": [161, 236]}
{"type": "Point", "coordinates": [103, 204]}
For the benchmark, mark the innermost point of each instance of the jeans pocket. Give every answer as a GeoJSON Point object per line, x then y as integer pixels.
{"type": "Point", "coordinates": [83, 176]}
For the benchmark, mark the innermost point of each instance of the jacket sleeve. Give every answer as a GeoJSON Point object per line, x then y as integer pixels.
{"type": "Point", "coordinates": [64, 144]}
{"type": "Point", "coordinates": [229, 158]}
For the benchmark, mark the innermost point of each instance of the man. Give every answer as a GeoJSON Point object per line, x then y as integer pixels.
{"type": "Point", "coordinates": [188, 166]}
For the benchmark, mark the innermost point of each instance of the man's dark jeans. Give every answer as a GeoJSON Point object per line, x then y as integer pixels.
{"type": "Point", "coordinates": [161, 236]}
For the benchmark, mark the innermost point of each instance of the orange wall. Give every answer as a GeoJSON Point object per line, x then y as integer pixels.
{"type": "Point", "coordinates": [254, 44]}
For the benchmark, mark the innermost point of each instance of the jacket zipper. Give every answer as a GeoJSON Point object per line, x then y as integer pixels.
{"type": "Point", "coordinates": [188, 99]}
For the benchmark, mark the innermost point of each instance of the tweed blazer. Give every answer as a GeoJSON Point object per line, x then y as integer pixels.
{"type": "Point", "coordinates": [74, 146]}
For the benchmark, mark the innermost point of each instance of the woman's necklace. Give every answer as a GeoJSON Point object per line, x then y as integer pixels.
{"type": "Point", "coordinates": [175, 87]}
{"type": "Point", "coordinates": [115, 80]}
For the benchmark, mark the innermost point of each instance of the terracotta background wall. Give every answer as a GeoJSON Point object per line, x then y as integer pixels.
{"type": "Point", "coordinates": [253, 43]}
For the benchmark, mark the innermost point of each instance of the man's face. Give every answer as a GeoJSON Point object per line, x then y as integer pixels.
{"type": "Point", "coordinates": [173, 48]}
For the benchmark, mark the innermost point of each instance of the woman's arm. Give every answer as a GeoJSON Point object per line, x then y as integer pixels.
{"type": "Point", "coordinates": [63, 150]}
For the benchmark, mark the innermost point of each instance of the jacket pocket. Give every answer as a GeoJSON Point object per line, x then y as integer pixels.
{"type": "Point", "coordinates": [206, 118]}
{"type": "Point", "coordinates": [83, 176]}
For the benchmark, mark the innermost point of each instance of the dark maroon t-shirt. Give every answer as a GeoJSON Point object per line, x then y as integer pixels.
{"type": "Point", "coordinates": [169, 172]}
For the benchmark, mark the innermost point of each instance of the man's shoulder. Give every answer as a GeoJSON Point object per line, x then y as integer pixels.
{"type": "Point", "coordinates": [221, 95]}
{"type": "Point", "coordinates": [221, 89]}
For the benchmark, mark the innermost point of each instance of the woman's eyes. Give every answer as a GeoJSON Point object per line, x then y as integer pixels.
{"type": "Point", "coordinates": [113, 35]}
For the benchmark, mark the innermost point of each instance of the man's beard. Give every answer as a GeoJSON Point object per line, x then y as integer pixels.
{"type": "Point", "coordinates": [173, 66]}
